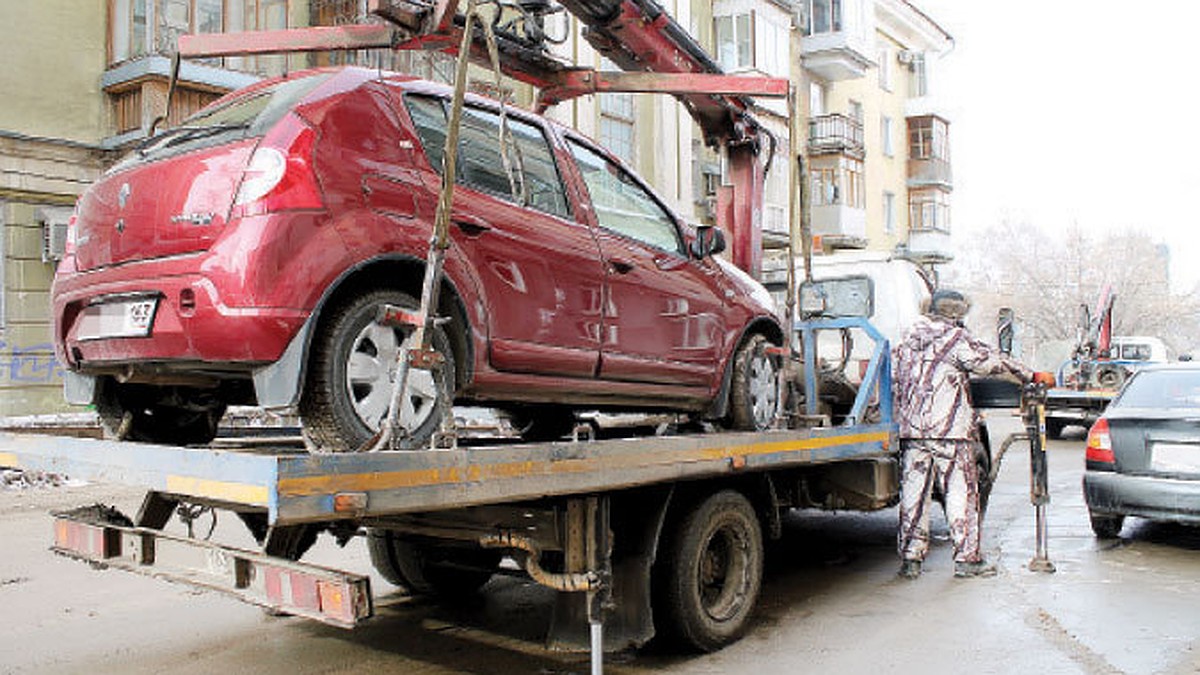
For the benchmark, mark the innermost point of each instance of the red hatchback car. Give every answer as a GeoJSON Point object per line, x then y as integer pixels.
{"type": "Point", "coordinates": [241, 258]}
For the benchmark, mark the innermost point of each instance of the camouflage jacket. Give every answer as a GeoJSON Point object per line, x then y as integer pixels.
{"type": "Point", "coordinates": [930, 369]}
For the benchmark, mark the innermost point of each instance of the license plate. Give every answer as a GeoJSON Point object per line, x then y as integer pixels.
{"type": "Point", "coordinates": [1175, 457]}
{"type": "Point", "coordinates": [116, 319]}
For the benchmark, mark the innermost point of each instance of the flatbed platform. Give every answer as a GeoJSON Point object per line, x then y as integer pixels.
{"type": "Point", "coordinates": [293, 486]}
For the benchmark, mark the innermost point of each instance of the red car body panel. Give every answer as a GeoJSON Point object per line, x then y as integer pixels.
{"type": "Point", "coordinates": [547, 311]}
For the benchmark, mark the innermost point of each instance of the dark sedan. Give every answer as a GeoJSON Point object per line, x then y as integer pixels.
{"type": "Point", "coordinates": [1143, 454]}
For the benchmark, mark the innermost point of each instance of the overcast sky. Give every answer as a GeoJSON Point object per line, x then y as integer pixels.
{"type": "Point", "coordinates": [1075, 112]}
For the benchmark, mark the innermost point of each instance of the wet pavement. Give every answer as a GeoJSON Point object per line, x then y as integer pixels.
{"type": "Point", "coordinates": [831, 603]}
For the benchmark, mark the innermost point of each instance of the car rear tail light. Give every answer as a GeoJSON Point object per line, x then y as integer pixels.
{"type": "Point", "coordinates": [279, 176]}
{"type": "Point", "coordinates": [1099, 444]}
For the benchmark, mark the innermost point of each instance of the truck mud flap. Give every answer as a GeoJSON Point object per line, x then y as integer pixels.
{"type": "Point", "coordinates": [103, 537]}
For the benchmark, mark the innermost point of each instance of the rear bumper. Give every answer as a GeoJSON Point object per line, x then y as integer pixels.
{"type": "Point", "coordinates": [194, 324]}
{"type": "Point", "coordinates": [1155, 498]}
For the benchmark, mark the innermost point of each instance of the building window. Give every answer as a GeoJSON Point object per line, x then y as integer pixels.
{"type": "Point", "coordinates": [929, 211]}
{"type": "Point", "coordinates": [140, 27]}
{"type": "Point", "coordinates": [824, 16]}
{"type": "Point", "coordinates": [889, 213]}
{"type": "Point", "coordinates": [928, 138]}
{"type": "Point", "coordinates": [885, 68]}
{"type": "Point", "coordinates": [735, 41]}
{"type": "Point", "coordinates": [825, 190]}
{"type": "Point", "coordinates": [885, 136]}
{"type": "Point", "coordinates": [838, 185]}
{"type": "Point", "coordinates": [918, 84]}
{"type": "Point", "coordinates": [856, 111]}
{"type": "Point", "coordinates": [855, 185]}
{"type": "Point", "coordinates": [127, 35]}
{"type": "Point", "coordinates": [616, 125]}
{"type": "Point", "coordinates": [817, 95]}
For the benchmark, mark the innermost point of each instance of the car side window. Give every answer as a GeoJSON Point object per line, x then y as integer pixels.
{"type": "Point", "coordinates": [621, 204]}
{"type": "Point", "coordinates": [535, 180]}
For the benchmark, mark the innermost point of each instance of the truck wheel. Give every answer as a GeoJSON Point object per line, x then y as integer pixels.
{"type": "Point", "coordinates": [540, 423]}
{"type": "Point", "coordinates": [1106, 526]}
{"type": "Point", "coordinates": [349, 384]}
{"type": "Point", "coordinates": [983, 467]}
{"type": "Point", "coordinates": [708, 581]}
{"type": "Point", "coordinates": [754, 390]}
{"type": "Point", "coordinates": [428, 569]}
{"type": "Point", "coordinates": [151, 414]}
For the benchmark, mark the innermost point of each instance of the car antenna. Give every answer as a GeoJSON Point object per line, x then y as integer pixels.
{"type": "Point", "coordinates": [170, 94]}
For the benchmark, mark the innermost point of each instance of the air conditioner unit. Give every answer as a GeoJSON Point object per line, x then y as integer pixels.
{"type": "Point", "coordinates": [54, 232]}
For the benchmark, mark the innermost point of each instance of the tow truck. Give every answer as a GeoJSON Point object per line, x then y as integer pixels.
{"type": "Point", "coordinates": [640, 536]}
{"type": "Point", "coordinates": [1096, 371]}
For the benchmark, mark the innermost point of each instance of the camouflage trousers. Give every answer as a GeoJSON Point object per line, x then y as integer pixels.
{"type": "Point", "coordinates": [950, 465]}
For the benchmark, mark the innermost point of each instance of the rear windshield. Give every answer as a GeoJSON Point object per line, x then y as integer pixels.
{"type": "Point", "coordinates": [243, 117]}
{"type": "Point", "coordinates": [1162, 389]}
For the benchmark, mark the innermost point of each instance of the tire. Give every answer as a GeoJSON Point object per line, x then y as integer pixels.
{"type": "Point", "coordinates": [709, 579]}
{"type": "Point", "coordinates": [1054, 428]}
{"type": "Point", "coordinates": [541, 423]}
{"type": "Point", "coordinates": [153, 414]}
{"type": "Point", "coordinates": [429, 569]}
{"type": "Point", "coordinates": [983, 467]}
{"type": "Point", "coordinates": [349, 384]}
{"type": "Point", "coordinates": [1106, 526]}
{"type": "Point", "coordinates": [754, 390]}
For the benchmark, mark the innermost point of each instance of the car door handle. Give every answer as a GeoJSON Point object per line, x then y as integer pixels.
{"type": "Point", "coordinates": [619, 266]}
{"type": "Point", "coordinates": [471, 225]}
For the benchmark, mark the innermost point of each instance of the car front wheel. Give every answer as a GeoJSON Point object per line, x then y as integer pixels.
{"type": "Point", "coordinates": [348, 390]}
{"type": "Point", "coordinates": [754, 389]}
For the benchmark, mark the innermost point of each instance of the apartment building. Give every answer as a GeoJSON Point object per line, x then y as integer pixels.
{"type": "Point", "coordinates": [879, 152]}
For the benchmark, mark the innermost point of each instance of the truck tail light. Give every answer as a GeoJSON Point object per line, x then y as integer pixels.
{"type": "Point", "coordinates": [280, 175]}
{"type": "Point", "coordinates": [1099, 445]}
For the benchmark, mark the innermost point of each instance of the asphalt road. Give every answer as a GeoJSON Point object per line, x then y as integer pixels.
{"type": "Point", "coordinates": [831, 603]}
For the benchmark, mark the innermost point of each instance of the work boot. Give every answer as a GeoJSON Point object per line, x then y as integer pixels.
{"type": "Point", "coordinates": [910, 569]}
{"type": "Point", "coordinates": [981, 568]}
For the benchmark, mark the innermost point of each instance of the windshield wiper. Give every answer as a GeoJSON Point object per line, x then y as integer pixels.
{"type": "Point", "coordinates": [176, 135]}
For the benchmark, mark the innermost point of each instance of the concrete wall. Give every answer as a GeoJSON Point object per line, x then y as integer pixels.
{"type": "Point", "coordinates": [54, 52]}
{"type": "Point", "coordinates": [53, 116]}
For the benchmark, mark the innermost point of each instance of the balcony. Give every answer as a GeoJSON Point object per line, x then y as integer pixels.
{"type": "Point", "coordinates": [932, 172]}
{"type": "Point", "coordinates": [838, 40]}
{"type": "Point", "coordinates": [835, 135]}
{"type": "Point", "coordinates": [929, 153]}
{"type": "Point", "coordinates": [834, 57]}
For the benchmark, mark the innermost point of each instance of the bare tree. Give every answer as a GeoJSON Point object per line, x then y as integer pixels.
{"type": "Point", "coordinates": [1047, 281]}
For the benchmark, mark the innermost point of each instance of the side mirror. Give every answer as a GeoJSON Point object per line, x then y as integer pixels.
{"type": "Point", "coordinates": [709, 241]}
{"type": "Point", "coordinates": [1004, 330]}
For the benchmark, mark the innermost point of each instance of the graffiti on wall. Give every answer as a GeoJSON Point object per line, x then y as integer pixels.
{"type": "Point", "coordinates": [30, 364]}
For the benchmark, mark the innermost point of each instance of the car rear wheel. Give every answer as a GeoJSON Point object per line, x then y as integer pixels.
{"type": "Point", "coordinates": [349, 386]}
{"type": "Point", "coordinates": [1106, 526]}
{"type": "Point", "coordinates": [754, 390]}
{"type": "Point", "coordinates": [154, 414]}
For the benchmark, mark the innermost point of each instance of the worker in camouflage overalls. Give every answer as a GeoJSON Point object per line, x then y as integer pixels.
{"type": "Point", "coordinates": [937, 430]}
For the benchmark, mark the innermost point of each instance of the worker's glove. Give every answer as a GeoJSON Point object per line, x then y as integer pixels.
{"type": "Point", "coordinates": [1044, 378]}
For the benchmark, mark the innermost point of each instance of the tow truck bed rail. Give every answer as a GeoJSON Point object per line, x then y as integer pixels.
{"type": "Point", "coordinates": [294, 487]}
